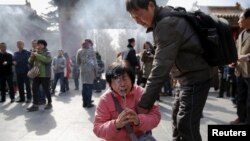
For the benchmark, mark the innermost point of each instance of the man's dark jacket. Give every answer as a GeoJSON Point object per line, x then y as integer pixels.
{"type": "Point", "coordinates": [21, 58]}
{"type": "Point", "coordinates": [178, 50]}
{"type": "Point", "coordinates": [6, 69]}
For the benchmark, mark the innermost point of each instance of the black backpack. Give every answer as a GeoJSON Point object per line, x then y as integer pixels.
{"type": "Point", "coordinates": [214, 33]}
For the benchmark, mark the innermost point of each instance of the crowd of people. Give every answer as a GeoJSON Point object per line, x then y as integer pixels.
{"type": "Point", "coordinates": [16, 67]}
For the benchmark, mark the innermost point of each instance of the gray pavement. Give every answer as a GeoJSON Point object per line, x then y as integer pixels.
{"type": "Point", "coordinates": [69, 121]}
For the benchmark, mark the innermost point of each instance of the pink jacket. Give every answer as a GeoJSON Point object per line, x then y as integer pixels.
{"type": "Point", "coordinates": [105, 115]}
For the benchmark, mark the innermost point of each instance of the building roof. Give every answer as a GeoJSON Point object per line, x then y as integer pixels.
{"type": "Point", "coordinates": [224, 11]}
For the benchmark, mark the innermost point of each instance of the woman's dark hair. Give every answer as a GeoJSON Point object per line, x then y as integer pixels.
{"type": "Point", "coordinates": [118, 69]}
{"type": "Point", "coordinates": [136, 4]}
{"type": "Point", "coordinates": [43, 42]}
{"type": "Point", "coordinates": [150, 45]}
{"type": "Point", "coordinates": [66, 55]}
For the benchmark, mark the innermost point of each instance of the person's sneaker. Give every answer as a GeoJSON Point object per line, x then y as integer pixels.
{"type": "Point", "coordinates": [33, 108]}
{"type": "Point", "coordinates": [12, 100]}
{"type": "Point", "coordinates": [236, 122]}
{"type": "Point", "coordinates": [48, 106]}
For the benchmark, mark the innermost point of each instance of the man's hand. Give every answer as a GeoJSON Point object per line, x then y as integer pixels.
{"type": "Point", "coordinates": [232, 65]}
{"type": "Point", "coordinates": [243, 58]}
{"type": "Point", "coordinates": [5, 63]}
{"type": "Point", "coordinates": [33, 54]}
{"type": "Point", "coordinates": [14, 62]}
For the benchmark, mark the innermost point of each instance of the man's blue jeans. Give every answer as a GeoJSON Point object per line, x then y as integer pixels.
{"type": "Point", "coordinates": [87, 94]}
{"type": "Point", "coordinates": [60, 76]}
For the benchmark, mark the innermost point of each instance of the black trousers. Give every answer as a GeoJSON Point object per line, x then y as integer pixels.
{"type": "Point", "coordinates": [22, 79]}
{"type": "Point", "coordinates": [45, 82]}
{"type": "Point", "coordinates": [243, 103]}
{"type": "Point", "coordinates": [187, 111]}
{"type": "Point", "coordinates": [9, 80]}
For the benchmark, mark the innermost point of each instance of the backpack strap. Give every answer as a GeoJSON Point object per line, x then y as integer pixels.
{"type": "Point", "coordinates": [127, 126]}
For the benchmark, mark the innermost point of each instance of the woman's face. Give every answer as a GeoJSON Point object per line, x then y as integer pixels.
{"type": "Point", "coordinates": [122, 84]}
{"type": "Point", "coordinates": [146, 46]}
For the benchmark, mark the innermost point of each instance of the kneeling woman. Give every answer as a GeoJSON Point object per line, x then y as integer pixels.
{"type": "Point", "coordinates": [110, 121]}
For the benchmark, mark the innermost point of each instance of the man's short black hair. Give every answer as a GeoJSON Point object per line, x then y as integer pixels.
{"type": "Point", "coordinates": [131, 40]}
{"type": "Point", "coordinates": [43, 42]}
{"type": "Point", "coordinates": [3, 44]}
{"type": "Point", "coordinates": [118, 69]}
{"type": "Point", "coordinates": [136, 4]}
{"type": "Point", "coordinates": [246, 13]}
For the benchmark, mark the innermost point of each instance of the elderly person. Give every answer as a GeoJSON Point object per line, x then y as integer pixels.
{"type": "Point", "coordinates": [109, 124]}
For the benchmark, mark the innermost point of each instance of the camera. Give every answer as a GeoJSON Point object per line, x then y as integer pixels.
{"type": "Point", "coordinates": [148, 52]}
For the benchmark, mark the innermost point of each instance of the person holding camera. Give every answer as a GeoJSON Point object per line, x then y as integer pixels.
{"type": "Point", "coordinates": [147, 58]}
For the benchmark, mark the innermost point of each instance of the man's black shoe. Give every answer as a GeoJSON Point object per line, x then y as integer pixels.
{"type": "Point", "coordinates": [12, 100]}
{"type": "Point", "coordinates": [33, 108]}
{"type": "Point", "coordinates": [84, 105]}
{"type": "Point", "coordinates": [2, 101]}
{"type": "Point", "coordinates": [90, 106]}
{"type": "Point", "coordinates": [48, 106]}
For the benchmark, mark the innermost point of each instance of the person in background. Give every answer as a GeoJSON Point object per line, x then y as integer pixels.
{"type": "Point", "coordinates": [6, 73]}
{"type": "Point", "coordinates": [42, 58]}
{"type": "Point", "coordinates": [58, 65]}
{"type": "Point", "coordinates": [42, 97]}
{"type": "Point", "coordinates": [130, 55]}
{"type": "Point", "coordinates": [243, 70]}
{"type": "Point", "coordinates": [147, 59]}
{"type": "Point", "coordinates": [86, 59]}
{"type": "Point", "coordinates": [67, 71]}
{"type": "Point", "coordinates": [100, 69]}
{"type": "Point", "coordinates": [75, 72]}
{"type": "Point", "coordinates": [109, 123]}
{"type": "Point", "coordinates": [21, 63]}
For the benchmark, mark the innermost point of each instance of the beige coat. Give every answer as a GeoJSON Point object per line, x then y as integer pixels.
{"type": "Point", "coordinates": [243, 47]}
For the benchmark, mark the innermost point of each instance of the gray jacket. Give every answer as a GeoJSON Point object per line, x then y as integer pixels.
{"type": "Point", "coordinates": [178, 51]}
{"type": "Point", "coordinates": [58, 64]}
{"type": "Point", "coordinates": [86, 60]}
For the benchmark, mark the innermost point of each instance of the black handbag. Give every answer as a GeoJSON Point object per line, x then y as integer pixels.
{"type": "Point", "coordinates": [145, 137]}
{"type": "Point", "coordinates": [99, 84]}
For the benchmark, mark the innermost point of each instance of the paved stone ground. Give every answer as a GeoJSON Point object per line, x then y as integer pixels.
{"type": "Point", "coordinates": [69, 121]}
